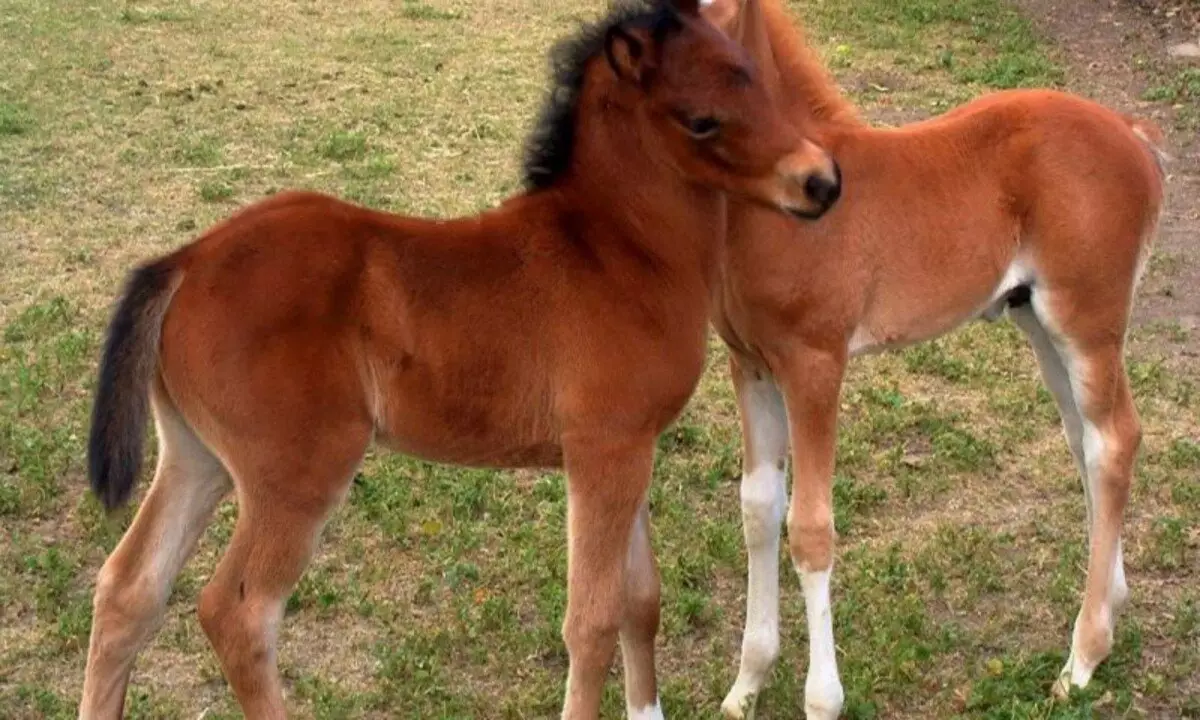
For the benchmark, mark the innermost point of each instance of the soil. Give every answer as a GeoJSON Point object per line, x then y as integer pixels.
{"type": "Point", "coordinates": [1113, 50]}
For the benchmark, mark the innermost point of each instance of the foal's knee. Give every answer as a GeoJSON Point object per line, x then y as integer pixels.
{"type": "Point", "coordinates": [763, 503]}
{"type": "Point", "coordinates": [591, 638]}
{"type": "Point", "coordinates": [810, 539]}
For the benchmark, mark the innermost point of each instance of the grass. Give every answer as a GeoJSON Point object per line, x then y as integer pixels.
{"type": "Point", "coordinates": [1181, 88]}
{"type": "Point", "coordinates": [126, 128]}
{"type": "Point", "coordinates": [14, 119]}
{"type": "Point", "coordinates": [930, 54]}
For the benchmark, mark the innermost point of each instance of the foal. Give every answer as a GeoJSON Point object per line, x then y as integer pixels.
{"type": "Point", "coordinates": [567, 327]}
{"type": "Point", "coordinates": [1037, 202]}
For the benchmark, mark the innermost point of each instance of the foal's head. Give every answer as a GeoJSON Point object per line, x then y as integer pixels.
{"type": "Point", "coordinates": [697, 101]}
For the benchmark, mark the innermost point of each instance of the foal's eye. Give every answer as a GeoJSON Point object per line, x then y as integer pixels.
{"type": "Point", "coordinates": [703, 128]}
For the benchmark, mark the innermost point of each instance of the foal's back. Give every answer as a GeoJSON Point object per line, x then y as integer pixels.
{"type": "Point", "coordinates": [1020, 188]}
{"type": "Point", "coordinates": [448, 339]}
{"type": "Point", "coordinates": [944, 217]}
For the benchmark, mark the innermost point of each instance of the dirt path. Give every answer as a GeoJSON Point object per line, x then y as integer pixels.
{"type": "Point", "coordinates": [1114, 50]}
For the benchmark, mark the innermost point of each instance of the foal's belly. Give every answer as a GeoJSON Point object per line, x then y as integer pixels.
{"type": "Point", "coordinates": [475, 452]}
{"type": "Point", "coordinates": [904, 313]}
{"type": "Point", "coordinates": [477, 415]}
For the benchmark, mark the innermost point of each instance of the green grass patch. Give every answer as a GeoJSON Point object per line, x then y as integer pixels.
{"type": "Point", "coordinates": [14, 119]}
{"type": "Point", "coordinates": [215, 191]}
{"type": "Point", "coordinates": [343, 145]}
{"type": "Point", "coordinates": [416, 10]}
{"type": "Point", "coordinates": [1182, 86]}
{"type": "Point", "coordinates": [203, 151]}
{"type": "Point", "coordinates": [932, 52]}
{"type": "Point", "coordinates": [132, 15]}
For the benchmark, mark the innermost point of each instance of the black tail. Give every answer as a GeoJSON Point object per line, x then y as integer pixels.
{"type": "Point", "coordinates": [122, 391]}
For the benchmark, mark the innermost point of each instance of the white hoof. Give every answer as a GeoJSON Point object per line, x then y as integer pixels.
{"type": "Point", "coordinates": [739, 704]}
{"type": "Point", "coordinates": [823, 701]}
{"type": "Point", "coordinates": [1062, 686]}
{"type": "Point", "coordinates": [1074, 674]}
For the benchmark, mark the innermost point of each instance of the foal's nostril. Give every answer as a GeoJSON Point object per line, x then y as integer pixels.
{"type": "Point", "coordinates": [822, 190]}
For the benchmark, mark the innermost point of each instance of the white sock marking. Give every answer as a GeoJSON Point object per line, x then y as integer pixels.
{"type": "Point", "coordinates": [764, 502]}
{"type": "Point", "coordinates": [823, 693]}
{"type": "Point", "coordinates": [650, 712]}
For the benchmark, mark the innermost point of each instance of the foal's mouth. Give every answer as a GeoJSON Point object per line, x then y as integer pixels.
{"type": "Point", "coordinates": [821, 191]}
{"type": "Point", "coordinates": [807, 214]}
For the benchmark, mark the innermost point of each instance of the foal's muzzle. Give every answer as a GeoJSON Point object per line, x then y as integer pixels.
{"type": "Point", "coordinates": [817, 191]}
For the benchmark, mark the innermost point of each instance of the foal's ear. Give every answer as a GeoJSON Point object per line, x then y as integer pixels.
{"type": "Point", "coordinates": [721, 13]}
{"type": "Point", "coordinates": [628, 54]}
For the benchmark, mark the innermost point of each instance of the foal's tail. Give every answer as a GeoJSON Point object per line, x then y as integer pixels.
{"type": "Point", "coordinates": [1152, 135]}
{"type": "Point", "coordinates": [127, 367]}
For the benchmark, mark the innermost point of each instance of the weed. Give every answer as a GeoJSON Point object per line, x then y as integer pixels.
{"type": "Point", "coordinates": [416, 10]}
{"type": "Point", "coordinates": [1180, 87]}
{"type": "Point", "coordinates": [215, 191]}
{"type": "Point", "coordinates": [343, 146]}
{"type": "Point", "coordinates": [1169, 544]}
{"type": "Point", "coordinates": [14, 119]}
{"type": "Point", "coordinates": [199, 152]}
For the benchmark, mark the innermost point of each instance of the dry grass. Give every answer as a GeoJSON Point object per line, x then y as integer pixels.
{"type": "Point", "coordinates": [127, 127]}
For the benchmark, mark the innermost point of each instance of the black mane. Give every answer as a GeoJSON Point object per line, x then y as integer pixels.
{"type": "Point", "coordinates": [549, 146]}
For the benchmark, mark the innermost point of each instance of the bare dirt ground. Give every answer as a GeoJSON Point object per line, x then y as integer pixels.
{"type": "Point", "coordinates": [1115, 51]}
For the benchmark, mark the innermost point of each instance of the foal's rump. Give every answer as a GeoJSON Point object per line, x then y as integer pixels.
{"type": "Point", "coordinates": [1078, 178]}
{"type": "Point", "coordinates": [1094, 193]}
{"type": "Point", "coordinates": [1017, 192]}
{"type": "Point", "coordinates": [1066, 145]}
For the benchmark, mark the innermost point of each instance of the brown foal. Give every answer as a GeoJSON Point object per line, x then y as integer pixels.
{"type": "Point", "coordinates": [1035, 202]}
{"type": "Point", "coordinates": [566, 327]}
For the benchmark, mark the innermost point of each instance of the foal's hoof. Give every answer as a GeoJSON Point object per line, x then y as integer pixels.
{"type": "Point", "coordinates": [739, 705]}
{"type": "Point", "coordinates": [1074, 674]}
{"type": "Point", "coordinates": [1062, 686]}
{"type": "Point", "coordinates": [818, 711]}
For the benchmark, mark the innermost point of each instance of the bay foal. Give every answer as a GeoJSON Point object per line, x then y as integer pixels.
{"type": "Point", "coordinates": [565, 327]}
{"type": "Point", "coordinates": [1037, 202]}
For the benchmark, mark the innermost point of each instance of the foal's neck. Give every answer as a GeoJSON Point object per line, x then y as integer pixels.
{"type": "Point", "coordinates": [779, 46]}
{"type": "Point", "coordinates": [657, 214]}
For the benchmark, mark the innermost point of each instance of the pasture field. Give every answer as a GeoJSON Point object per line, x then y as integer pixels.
{"type": "Point", "coordinates": [128, 127]}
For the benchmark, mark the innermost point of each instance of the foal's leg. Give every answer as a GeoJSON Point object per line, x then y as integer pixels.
{"type": "Point", "coordinates": [812, 380]}
{"type": "Point", "coordinates": [135, 582]}
{"type": "Point", "coordinates": [1110, 433]}
{"type": "Point", "coordinates": [282, 508]}
{"type": "Point", "coordinates": [764, 502]}
{"type": "Point", "coordinates": [640, 626]}
{"type": "Point", "coordinates": [606, 484]}
{"type": "Point", "coordinates": [1058, 381]}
